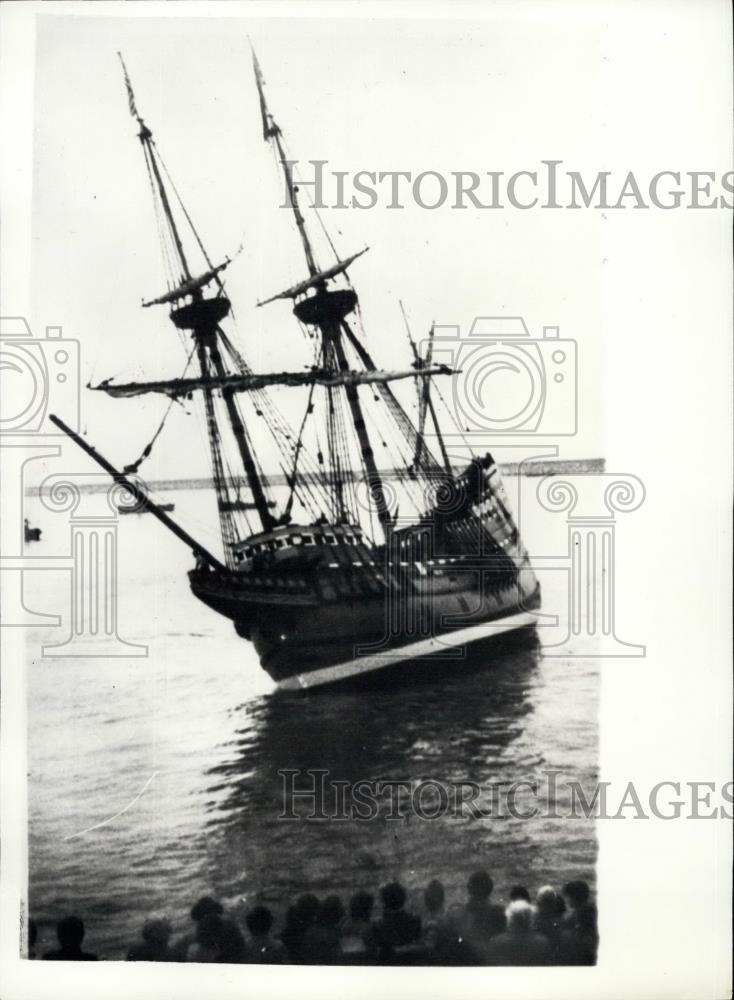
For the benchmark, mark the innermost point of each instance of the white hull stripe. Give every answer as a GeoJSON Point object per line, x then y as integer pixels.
{"type": "Point", "coordinates": [414, 650]}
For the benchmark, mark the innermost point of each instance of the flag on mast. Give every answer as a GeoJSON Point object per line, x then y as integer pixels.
{"type": "Point", "coordinates": [129, 87]}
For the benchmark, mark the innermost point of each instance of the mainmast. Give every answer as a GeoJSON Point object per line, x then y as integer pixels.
{"type": "Point", "coordinates": [201, 316]}
{"type": "Point", "coordinates": [325, 309]}
{"type": "Point", "coordinates": [271, 131]}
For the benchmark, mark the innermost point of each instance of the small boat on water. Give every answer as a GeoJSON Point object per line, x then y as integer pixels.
{"type": "Point", "coordinates": [358, 568]}
{"type": "Point", "coordinates": [31, 534]}
{"type": "Point", "coordinates": [144, 509]}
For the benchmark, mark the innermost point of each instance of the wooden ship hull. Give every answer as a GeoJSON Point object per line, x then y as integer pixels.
{"type": "Point", "coordinates": [310, 630]}
{"type": "Point", "coordinates": [320, 605]}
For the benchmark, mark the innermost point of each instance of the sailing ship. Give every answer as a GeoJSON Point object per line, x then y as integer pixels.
{"type": "Point", "coordinates": [357, 567]}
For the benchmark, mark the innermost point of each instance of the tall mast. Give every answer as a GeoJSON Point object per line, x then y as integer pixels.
{"type": "Point", "coordinates": [201, 317]}
{"type": "Point", "coordinates": [146, 141]}
{"type": "Point", "coordinates": [439, 435]}
{"type": "Point", "coordinates": [271, 130]}
{"type": "Point", "coordinates": [368, 456]}
{"type": "Point", "coordinates": [253, 477]}
{"type": "Point", "coordinates": [325, 310]}
{"type": "Point", "coordinates": [425, 402]}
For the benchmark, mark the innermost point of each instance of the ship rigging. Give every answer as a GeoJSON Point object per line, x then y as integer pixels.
{"type": "Point", "coordinates": [310, 577]}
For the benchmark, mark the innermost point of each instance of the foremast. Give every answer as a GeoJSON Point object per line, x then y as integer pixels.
{"type": "Point", "coordinates": [201, 317]}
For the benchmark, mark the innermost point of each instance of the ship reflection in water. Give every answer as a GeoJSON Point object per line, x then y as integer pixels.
{"type": "Point", "coordinates": [420, 736]}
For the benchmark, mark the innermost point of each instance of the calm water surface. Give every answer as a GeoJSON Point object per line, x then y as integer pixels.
{"type": "Point", "coordinates": [154, 780]}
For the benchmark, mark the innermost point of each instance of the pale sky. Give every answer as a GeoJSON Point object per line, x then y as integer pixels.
{"type": "Point", "coordinates": [361, 94]}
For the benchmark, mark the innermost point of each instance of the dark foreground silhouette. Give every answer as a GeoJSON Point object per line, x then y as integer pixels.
{"type": "Point", "coordinates": [556, 928]}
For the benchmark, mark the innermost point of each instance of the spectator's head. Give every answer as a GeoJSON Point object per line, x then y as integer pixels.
{"type": "Point", "coordinates": [331, 912]}
{"type": "Point", "coordinates": [156, 931]}
{"type": "Point", "coordinates": [547, 900]}
{"type": "Point", "coordinates": [519, 916]}
{"type": "Point", "coordinates": [434, 896]}
{"type": "Point", "coordinates": [519, 892]}
{"type": "Point", "coordinates": [209, 930]}
{"type": "Point", "coordinates": [360, 905]}
{"type": "Point", "coordinates": [308, 908]}
{"type": "Point", "coordinates": [204, 907]}
{"type": "Point", "coordinates": [259, 921]}
{"type": "Point", "coordinates": [70, 932]}
{"type": "Point", "coordinates": [393, 896]}
{"type": "Point", "coordinates": [577, 893]}
{"type": "Point", "coordinates": [480, 885]}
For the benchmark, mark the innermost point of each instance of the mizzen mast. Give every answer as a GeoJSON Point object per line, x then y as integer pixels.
{"type": "Point", "coordinates": [423, 365]}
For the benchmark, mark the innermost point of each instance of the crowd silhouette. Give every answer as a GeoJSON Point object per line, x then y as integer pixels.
{"type": "Point", "coordinates": [554, 928]}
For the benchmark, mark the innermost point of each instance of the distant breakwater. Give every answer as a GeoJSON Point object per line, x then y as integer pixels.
{"type": "Point", "coordinates": [545, 467]}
